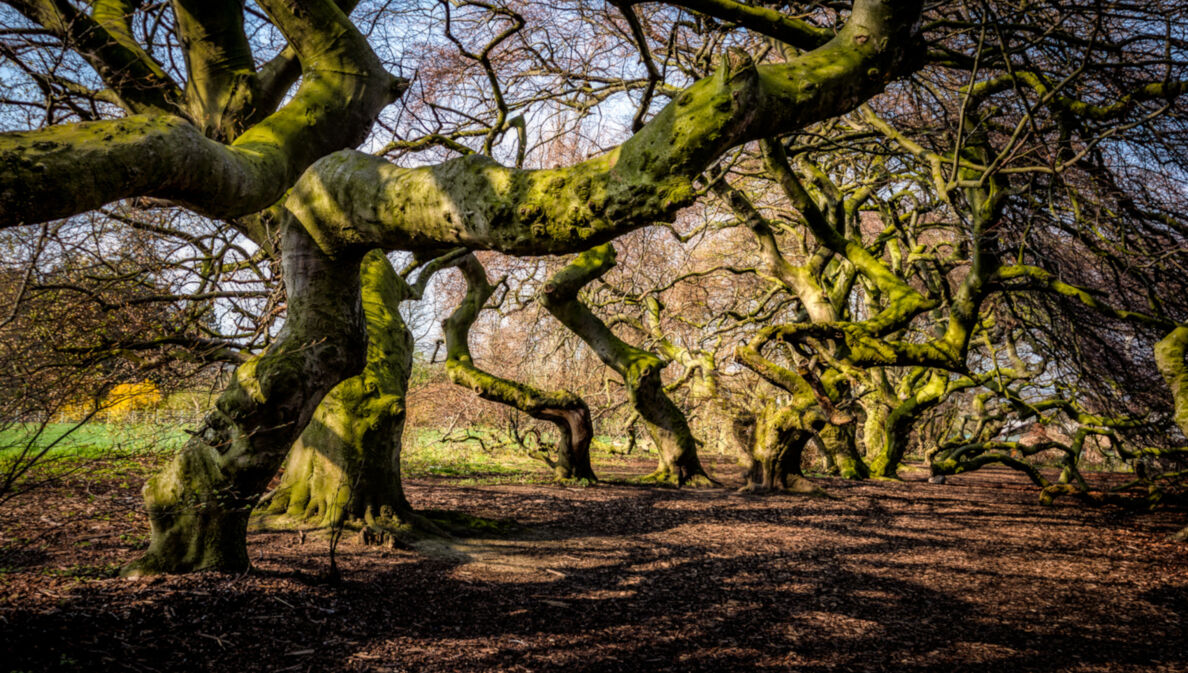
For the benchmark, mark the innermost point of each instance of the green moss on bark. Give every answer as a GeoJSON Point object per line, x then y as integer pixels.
{"type": "Point", "coordinates": [773, 459]}
{"type": "Point", "coordinates": [838, 443]}
{"type": "Point", "coordinates": [199, 504]}
{"type": "Point", "coordinates": [345, 468]}
{"type": "Point", "coordinates": [640, 369]}
{"type": "Point", "coordinates": [473, 202]}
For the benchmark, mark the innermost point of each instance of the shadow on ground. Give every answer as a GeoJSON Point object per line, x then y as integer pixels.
{"type": "Point", "coordinates": [887, 577]}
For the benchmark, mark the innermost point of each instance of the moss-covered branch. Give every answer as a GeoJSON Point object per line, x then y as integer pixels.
{"type": "Point", "coordinates": [68, 169]}
{"type": "Point", "coordinates": [640, 369]}
{"type": "Point", "coordinates": [903, 302]}
{"type": "Point", "coordinates": [222, 89]}
{"type": "Point", "coordinates": [1052, 95]}
{"type": "Point", "coordinates": [801, 279]}
{"type": "Point", "coordinates": [104, 39]}
{"type": "Point", "coordinates": [568, 412]}
{"type": "Point", "coordinates": [350, 199]}
{"type": "Point", "coordinates": [762, 20]}
{"type": "Point", "coordinates": [1036, 278]}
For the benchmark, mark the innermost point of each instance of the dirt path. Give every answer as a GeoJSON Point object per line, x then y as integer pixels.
{"type": "Point", "coordinates": [970, 576]}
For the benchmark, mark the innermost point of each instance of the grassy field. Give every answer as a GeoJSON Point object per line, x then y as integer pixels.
{"type": "Point", "coordinates": [428, 453]}
{"type": "Point", "coordinates": [92, 440]}
{"type": "Point", "coordinates": [425, 454]}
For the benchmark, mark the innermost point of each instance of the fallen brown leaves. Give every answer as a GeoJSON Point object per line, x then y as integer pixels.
{"type": "Point", "coordinates": [970, 576]}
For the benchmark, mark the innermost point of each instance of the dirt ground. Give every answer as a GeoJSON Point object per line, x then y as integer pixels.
{"type": "Point", "coordinates": [972, 575]}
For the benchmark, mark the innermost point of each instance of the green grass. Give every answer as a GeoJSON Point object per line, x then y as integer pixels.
{"type": "Point", "coordinates": [425, 455]}
{"type": "Point", "coordinates": [108, 453]}
{"type": "Point", "coordinates": [92, 440]}
{"type": "Point", "coordinates": [156, 431]}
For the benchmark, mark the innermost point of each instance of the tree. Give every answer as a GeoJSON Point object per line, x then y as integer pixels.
{"type": "Point", "coordinates": [568, 412]}
{"type": "Point", "coordinates": [345, 467]}
{"type": "Point", "coordinates": [473, 202]}
{"type": "Point", "coordinates": [639, 369]}
{"type": "Point", "coordinates": [223, 146]}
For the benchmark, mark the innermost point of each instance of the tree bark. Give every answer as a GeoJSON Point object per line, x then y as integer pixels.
{"type": "Point", "coordinates": [568, 412]}
{"type": "Point", "coordinates": [345, 468]}
{"type": "Point", "coordinates": [68, 169]}
{"type": "Point", "coordinates": [777, 446]}
{"type": "Point", "coordinates": [837, 442]}
{"type": "Point", "coordinates": [353, 199]}
{"type": "Point", "coordinates": [889, 447]}
{"type": "Point", "coordinates": [814, 405]}
{"type": "Point", "coordinates": [640, 369]}
{"type": "Point", "coordinates": [199, 505]}
{"type": "Point", "coordinates": [1169, 357]}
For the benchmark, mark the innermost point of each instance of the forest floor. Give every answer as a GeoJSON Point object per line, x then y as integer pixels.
{"type": "Point", "coordinates": [972, 575]}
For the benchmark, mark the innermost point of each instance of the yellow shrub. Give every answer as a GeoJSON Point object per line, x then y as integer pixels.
{"type": "Point", "coordinates": [129, 397]}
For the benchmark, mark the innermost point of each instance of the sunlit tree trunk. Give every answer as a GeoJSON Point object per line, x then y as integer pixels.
{"type": "Point", "coordinates": [199, 504]}
{"type": "Point", "coordinates": [772, 462]}
{"type": "Point", "coordinates": [1169, 357]}
{"type": "Point", "coordinates": [838, 444]}
{"type": "Point", "coordinates": [345, 468]}
{"type": "Point", "coordinates": [565, 410]}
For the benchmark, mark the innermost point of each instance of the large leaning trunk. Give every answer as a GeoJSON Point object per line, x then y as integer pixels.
{"type": "Point", "coordinates": [811, 410]}
{"type": "Point", "coordinates": [346, 465]}
{"type": "Point", "coordinates": [886, 438]}
{"type": "Point", "coordinates": [890, 422]}
{"type": "Point", "coordinates": [199, 504]}
{"type": "Point", "coordinates": [562, 408]}
{"type": "Point", "coordinates": [667, 425]}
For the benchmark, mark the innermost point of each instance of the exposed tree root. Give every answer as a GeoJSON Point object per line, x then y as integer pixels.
{"type": "Point", "coordinates": [666, 477]}
{"type": "Point", "coordinates": [575, 481]}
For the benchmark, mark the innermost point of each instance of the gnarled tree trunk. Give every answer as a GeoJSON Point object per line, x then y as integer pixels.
{"type": "Point", "coordinates": [345, 468]}
{"type": "Point", "coordinates": [1169, 357]}
{"type": "Point", "coordinates": [199, 505]}
{"type": "Point", "coordinates": [562, 408]}
{"type": "Point", "coordinates": [889, 446]}
{"type": "Point", "coordinates": [837, 443]}
{"type": "Point", "coordinates": [874, 428]}
{"type": "Point", "coordinates": [669, 430]}
{"type": "Point", "coordinates": [891, 429]}
{"type": "Point", "coordinates": [812, 408]}
{"type": "Point", "coordinates": [777, 445]}
{"type": "Point", "coordinates": [667, 426]}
